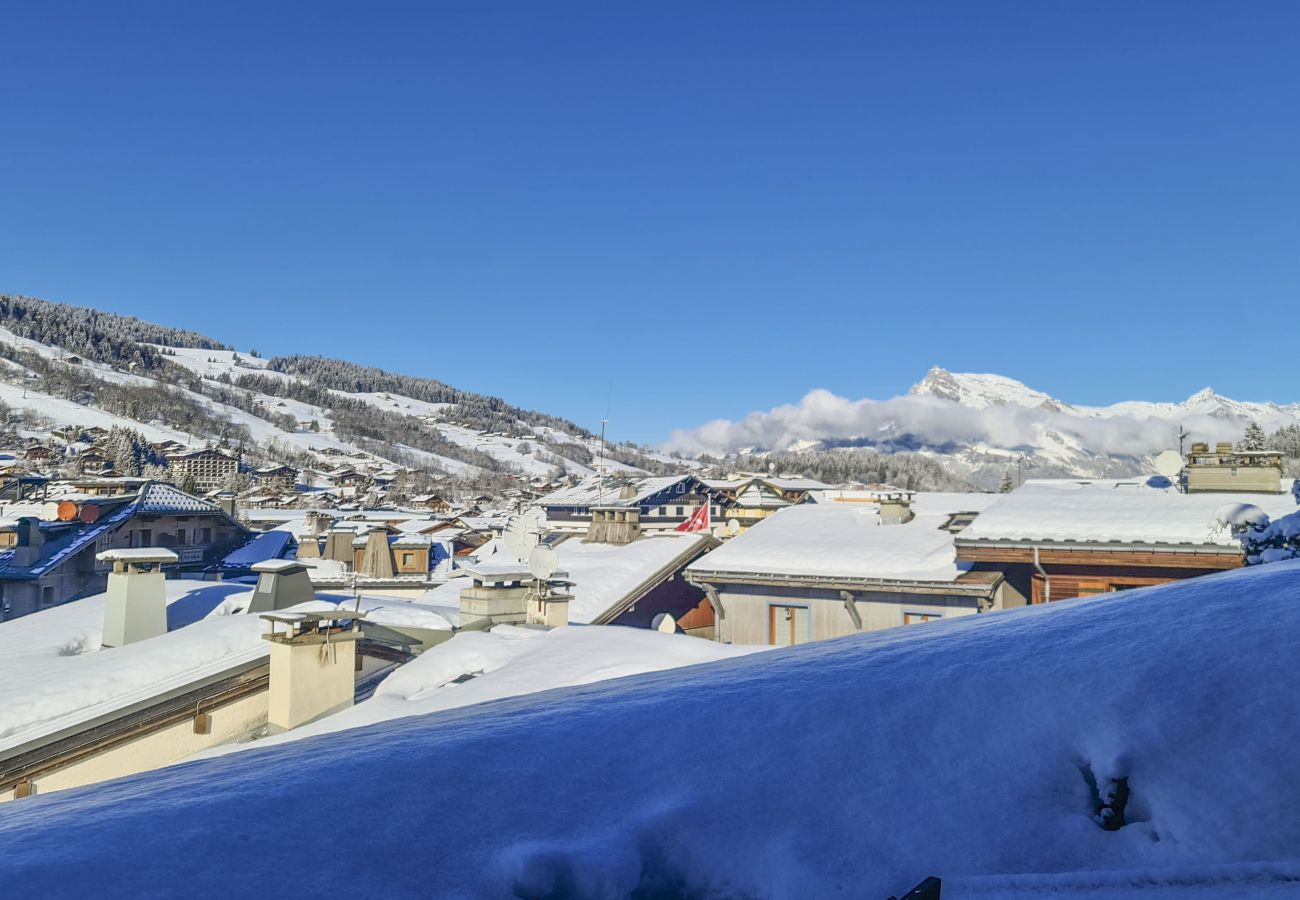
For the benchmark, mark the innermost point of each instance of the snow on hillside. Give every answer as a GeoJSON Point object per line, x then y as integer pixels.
{"type": "Point", "coordinates": [979, 391]}
{"type": "Point", "coordinates": [971, 748]}
{"type": "Point", "coordinates": [978, 425]}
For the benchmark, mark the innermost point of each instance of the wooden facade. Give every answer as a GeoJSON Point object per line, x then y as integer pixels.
{"type": "Point", "coordinates": [1068, 572]}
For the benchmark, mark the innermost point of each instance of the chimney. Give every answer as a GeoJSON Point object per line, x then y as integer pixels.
{"type": "Point", "coordinates": [317, 523]}
{"type": "Point", "coordinates": [226, 500]}
{"type": "Point", "coordinates": [338, 545]}
{"type": "Point", "coordinates": [378, 559]}
{"type": "Point", "coordinates": [281, 583]}
{"type": "Point", "coordinates": [28, 541]}
{"type": "Point", "coordinates": [313, 665]}
{"type": "Point", "coordinates": [613, 525]}
{"type": "Point", "coordinates": [627, 492]}
{"type": "Point", "coordinates": [498, 594]}
{"type": "Point", "coordinates": [136, 607]}
{"type": "Point", "coordinates": [896, 509]}
{"type": "Point", "coordinates": [549, 607]}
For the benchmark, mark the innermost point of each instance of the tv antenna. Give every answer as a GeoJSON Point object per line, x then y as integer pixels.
{"type": "Point", "coordinates": [1021, 463]}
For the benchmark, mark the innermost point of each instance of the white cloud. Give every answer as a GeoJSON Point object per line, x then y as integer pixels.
{"type": "Point", "coordinates": [824, 416]}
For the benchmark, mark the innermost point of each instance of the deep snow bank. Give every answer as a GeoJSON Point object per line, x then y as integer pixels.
{"type": "Point", "coordinates": [849, 768]}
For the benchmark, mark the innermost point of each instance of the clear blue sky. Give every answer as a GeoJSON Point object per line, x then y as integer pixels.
{"type": "Point", "coordinates": [726, 205]}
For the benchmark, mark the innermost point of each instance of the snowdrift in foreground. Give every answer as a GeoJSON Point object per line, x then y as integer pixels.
{"type": "Point", "coordinates": [966, 748]}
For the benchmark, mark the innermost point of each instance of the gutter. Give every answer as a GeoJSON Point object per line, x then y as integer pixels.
{"type": "Point", "coordinates": [1099, 546]}
{"type": "Point", "coordinates": [1047, 579]}
{"type": "Point", "coordinates": [883, 585]}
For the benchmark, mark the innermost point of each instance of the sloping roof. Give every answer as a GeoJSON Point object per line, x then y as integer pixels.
{"type": "Point", "coordinates": [606, 577]}
{"type": "Point", "coordinates": [597, 491]}
{"type": "Point", "coordinates": [65, 539]}
{"type": "Point", "coordinates": [158, 497]}
{"type": "Point", "coordinates": [267, 545]}
{"type": "Point", "coordinates": [1135, 511]}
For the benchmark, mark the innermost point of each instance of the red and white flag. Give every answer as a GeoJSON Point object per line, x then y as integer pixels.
{"type": "Point", "coordinates": [699, 520]}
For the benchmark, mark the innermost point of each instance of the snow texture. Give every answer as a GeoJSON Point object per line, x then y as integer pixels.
{"type": "Point", "coordinates": [968, 748]}
{"type": "Point", "coordinates": [1138, 511]}
{"type": "Point", "coordinates": [839, 540]}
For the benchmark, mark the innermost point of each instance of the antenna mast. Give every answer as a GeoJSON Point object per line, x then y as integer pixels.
{"type": "Point", "coordinates": [600, 467]}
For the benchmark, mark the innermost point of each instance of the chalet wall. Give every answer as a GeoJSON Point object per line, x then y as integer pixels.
{"type": "Point", "coordinates": [161, 748]}
{"type": "Point", "coordinates": [747, 622]}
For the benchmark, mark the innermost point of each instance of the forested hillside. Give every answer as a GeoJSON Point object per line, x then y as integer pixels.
{"type": "Point", "coordinates": [173, 382]}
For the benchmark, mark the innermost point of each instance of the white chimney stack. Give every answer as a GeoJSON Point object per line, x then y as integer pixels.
{"type": "Point", "coordinates": [313, 665]}
{"type": "Point", "coordinates": [136, 608]}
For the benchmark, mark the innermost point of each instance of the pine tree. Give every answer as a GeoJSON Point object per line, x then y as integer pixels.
{"type": "Point", "coordinates": [1007, 485]}
{"type": "Point", "coordinates": [1254, 439]}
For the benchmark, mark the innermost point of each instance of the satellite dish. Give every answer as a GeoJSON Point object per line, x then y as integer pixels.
{"type": "Point", "coordinates": [1169, 463]}
{"type": "Point", "coordinates": [523, 532]}
{"type": "Point", "coordinates": [665, 623]}
{"type": "Point", "coordinates": [49, 511]}
{"type": "Point", "coordinates": [733, 527]}
{"type": "Point", "coordinates": [542, 562]}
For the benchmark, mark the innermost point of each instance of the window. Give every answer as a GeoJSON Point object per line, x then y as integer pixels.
{"type": "Point", "coordinates": [681, 488]}
{"type": "Point", "coordinates": [180, 535]}
{"type": "Point", "coordinates": [47, 597]}
{"type": "Point", "coordinates": [144, 538]}
{"type": "Point", "coordinates": [207, 535]}
{"type": "Point", "coordinates": [916, 618]}
{"type": "Point", "coordinates": [681, 510]}
{"type": "Point", "coordinates": [408, 559]}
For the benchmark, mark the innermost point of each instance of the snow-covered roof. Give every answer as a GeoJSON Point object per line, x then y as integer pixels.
{"type": "Point", "coordinates": [54, 675]}
{"type": "Point", "coordinates": [1145, 511]}
{"type": "Point", "coordinates": [990, 737]}
{"type": "Point", "coordinates": [594, 490]}
{"type": "Point", "coordinates": [267, 545]}
{"type": "Point", "coordinates": [604, 576]}
{"type": "Point", "coordinates": [510, 661]}
{"type": "Point", "coordinates": [838, 541]}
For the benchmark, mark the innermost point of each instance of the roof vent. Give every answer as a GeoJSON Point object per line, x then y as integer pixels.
{"type": "Point", "coordinates": [281, 583]}
{"type": "Point", "coordinates": [136, 607]}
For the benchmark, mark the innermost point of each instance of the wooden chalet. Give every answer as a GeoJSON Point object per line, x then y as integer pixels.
{"type": "Point", "coordinates": [1053, 540]}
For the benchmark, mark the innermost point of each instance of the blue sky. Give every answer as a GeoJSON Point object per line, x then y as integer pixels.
{"type": "Point", "coordinates": [723, 205]}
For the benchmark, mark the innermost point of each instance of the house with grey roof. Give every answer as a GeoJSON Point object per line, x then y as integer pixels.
{"type": "Point", "coordinates": [46, 563]}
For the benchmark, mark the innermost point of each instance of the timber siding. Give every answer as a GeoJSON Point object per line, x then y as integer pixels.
{"type": "Point", "coordinates": [747, 619]}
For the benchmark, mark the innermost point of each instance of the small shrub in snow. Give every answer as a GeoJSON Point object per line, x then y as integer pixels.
{"type": "Point", "coordinates": [1262, 540]}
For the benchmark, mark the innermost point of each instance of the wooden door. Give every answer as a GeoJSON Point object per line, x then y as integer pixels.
{"type": "Point", "coordinates": [788, 625]}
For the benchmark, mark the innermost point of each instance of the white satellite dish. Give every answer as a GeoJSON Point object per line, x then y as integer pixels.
{"type": "Point", "coordinates": [664, 622]}
{"type": "Point", "coordinates": [542, 562]}
{"type": "Point", "coordinates": [733, 527]}
{"type": "Point", "coordinates": [523, 532]}
{"type": "Point", "coordinates": [49, 511]}
{"type": "Point", "coordinates": [1169, 463]}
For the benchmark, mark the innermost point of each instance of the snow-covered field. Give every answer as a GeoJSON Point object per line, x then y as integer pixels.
{"type": "Point", "coordinates": [968, 748]}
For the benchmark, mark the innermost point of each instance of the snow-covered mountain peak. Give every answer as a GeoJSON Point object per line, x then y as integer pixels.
{"type": "Point", "coordinates": [980, 391]}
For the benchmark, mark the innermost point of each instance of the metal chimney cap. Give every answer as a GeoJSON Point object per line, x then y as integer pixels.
{"type": "Point", "coordinates": [138, 555]}
{"type": "Point", "coordinates": [283, 566]}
